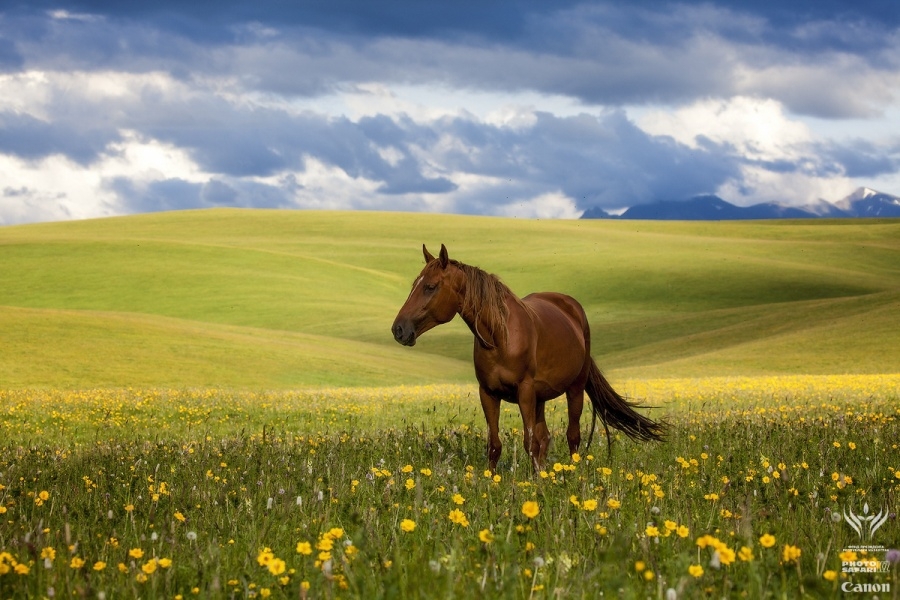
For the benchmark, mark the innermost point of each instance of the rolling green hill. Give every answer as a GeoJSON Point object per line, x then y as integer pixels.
{"type": "Point", "coordinates": [281, 299]}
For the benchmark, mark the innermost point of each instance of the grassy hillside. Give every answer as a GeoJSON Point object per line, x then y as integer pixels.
{"type": "Point", "coordinates": [279, 299]}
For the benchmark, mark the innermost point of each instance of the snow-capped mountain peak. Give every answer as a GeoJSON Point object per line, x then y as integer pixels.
{"type": "Point", "coordinates": [866, 202]}
{"type": "Point", "coordinates": [863, 202]}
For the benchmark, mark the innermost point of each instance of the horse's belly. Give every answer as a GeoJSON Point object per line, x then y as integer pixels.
{"type": "Point", "coordinates": [510, 393]}
{"type": "Point", "coordinates": [505, 385]}
{"type": "Point", "coordinates": [545, 391]}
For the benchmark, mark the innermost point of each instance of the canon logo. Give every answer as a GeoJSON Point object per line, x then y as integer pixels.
{"type": "Point", "coordinates": [849, 586]}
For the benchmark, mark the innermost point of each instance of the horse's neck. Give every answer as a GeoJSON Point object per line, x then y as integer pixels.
{"type": "Point", "coordinates": [482, 333]}
{"type": "Point", "coordinates": [481, 326]}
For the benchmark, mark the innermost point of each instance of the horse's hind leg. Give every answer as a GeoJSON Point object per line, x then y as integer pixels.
{"type": "Point", "coordinates": [491, 408]}
{"type": "Point", "coordinates": [541, 436]}
{"type": "Point", "coordinates": [575, 399]}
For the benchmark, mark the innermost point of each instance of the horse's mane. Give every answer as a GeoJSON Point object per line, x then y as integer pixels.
{"type": "Point", "coordinates": [485, 298]}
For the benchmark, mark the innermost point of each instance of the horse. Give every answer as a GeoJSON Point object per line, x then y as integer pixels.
{"type": "Point", "coordinates": [526, 351]}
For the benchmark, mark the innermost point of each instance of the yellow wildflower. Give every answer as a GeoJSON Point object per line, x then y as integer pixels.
{"type": "Point", "coordinates": [459, 517]}
{"type": "Point", "coordinates": [265, 556]}
{"type": "Point", "coordinates": [276, 566]}
{"type": "Point", "coordinates": [790, 554]}
{"type": "Point", "coordinates": [149, 567]}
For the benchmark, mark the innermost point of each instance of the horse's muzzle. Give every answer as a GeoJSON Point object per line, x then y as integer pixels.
{"type": "Point", "coordinates": [404, 333]}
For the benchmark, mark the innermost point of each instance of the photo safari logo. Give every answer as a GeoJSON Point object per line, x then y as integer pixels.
{"type": "Point", "coordinates": [859, 558]}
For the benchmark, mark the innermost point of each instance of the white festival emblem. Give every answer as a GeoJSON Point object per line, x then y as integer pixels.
{"type": "Point", "coordinates": [865, 525]}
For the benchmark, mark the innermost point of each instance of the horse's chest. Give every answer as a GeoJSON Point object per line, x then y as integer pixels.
{"type": "Point", "coordinates": [500, 378]}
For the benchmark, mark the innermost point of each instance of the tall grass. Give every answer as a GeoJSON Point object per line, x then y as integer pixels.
{"type": "Point", "coordinates": [383, 493]}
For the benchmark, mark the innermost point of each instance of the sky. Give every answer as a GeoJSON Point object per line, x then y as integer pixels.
{"type": "Point", "coordinates": [527, 109]}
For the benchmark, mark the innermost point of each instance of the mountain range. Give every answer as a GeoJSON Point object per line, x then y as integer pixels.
{"type": "Point", "coordinates": [864, 202]}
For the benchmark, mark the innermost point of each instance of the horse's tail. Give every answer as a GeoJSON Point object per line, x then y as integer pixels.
{"type": "Point", "coordinates": [615, 410]}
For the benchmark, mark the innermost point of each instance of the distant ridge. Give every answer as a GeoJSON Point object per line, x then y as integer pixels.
{"type": "Point", "coordinates": [864, 202]}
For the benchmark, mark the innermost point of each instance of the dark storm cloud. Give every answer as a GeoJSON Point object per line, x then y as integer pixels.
{"type": "Point", "coordinates": [32, 138]}
{"type": "Point", "coordinates": [10, 59]}
{"type": "Point", "coordinates": [178, 194]}
{"type": "Point", "coordinates": [863, 159]}
{"type": "Point", "coordinates": [599, 52]}
{"type": "Point", "coordinates": [169, 194]}
{"type": "Point", "coordinates": [598, 161]}
{"type": "Point", "coordinates": [505, 20]}
{"type": "Point", "coordinates": [214, 20]}
{"type": "Point", "coordinates": [264, 142]}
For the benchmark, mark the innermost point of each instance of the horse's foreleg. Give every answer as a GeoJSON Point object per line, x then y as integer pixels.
{"type": "Point", "coordinates": [575, 399]}
{"type": "Point", "coordinates": [491, 408]}
{"type": "Point", "coordinates": [536, 435]}
{"type": "Point", "coordinates": [541, 435]}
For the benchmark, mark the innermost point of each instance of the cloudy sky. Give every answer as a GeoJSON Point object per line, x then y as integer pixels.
{"type": "Point", "coordinates": [532, 108]}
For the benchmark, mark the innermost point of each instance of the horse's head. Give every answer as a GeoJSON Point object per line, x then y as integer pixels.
{"type": "Point", "coordinates": [435, 298]}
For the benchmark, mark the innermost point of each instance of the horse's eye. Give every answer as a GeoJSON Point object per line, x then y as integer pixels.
{"type": "Point", "coordinates": [430, 287]}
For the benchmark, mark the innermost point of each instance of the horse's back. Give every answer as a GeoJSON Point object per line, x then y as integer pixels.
{"type": "Point", "coordinates": [548, 305]}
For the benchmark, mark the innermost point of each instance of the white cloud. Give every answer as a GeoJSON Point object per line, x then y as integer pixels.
{"type": "Point", "coordinates": [53, 188]}
{"type": "Point", "coordinates": [764, 135]}
{"type": "Point", "coordinates": [26, 93]}
{"type": "Point", "coordinates": [835, 85]}
{"type": "Point", "coordinates": [795, 188]}
{"type": "Point", "coordinates": [756, 128]}
{"type": "Point", "coordinates": [323, 186]}
{"type": "Point", "coordinates": [553, 205]}
{"type": "Point", "coordinates": [148, 160]}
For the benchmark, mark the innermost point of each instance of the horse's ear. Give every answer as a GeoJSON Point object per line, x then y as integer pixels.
{"type": "Point", "coordinates": [445, 259]}
{"type": "Point", "coordinates": [428, 256]}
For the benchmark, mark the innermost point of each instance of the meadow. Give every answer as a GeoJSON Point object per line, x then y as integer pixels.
{"type": "Point", "coordinates": [378, 492]}
{"type": "Point", "coordinates": [209, 404]}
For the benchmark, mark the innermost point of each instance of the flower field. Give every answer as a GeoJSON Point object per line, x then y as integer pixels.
{"type": "Point", "coordinates": [382, 492]}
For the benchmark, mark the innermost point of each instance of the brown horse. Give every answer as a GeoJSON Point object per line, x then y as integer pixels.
{"type": "Point", "coordinates": [527, 351]}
